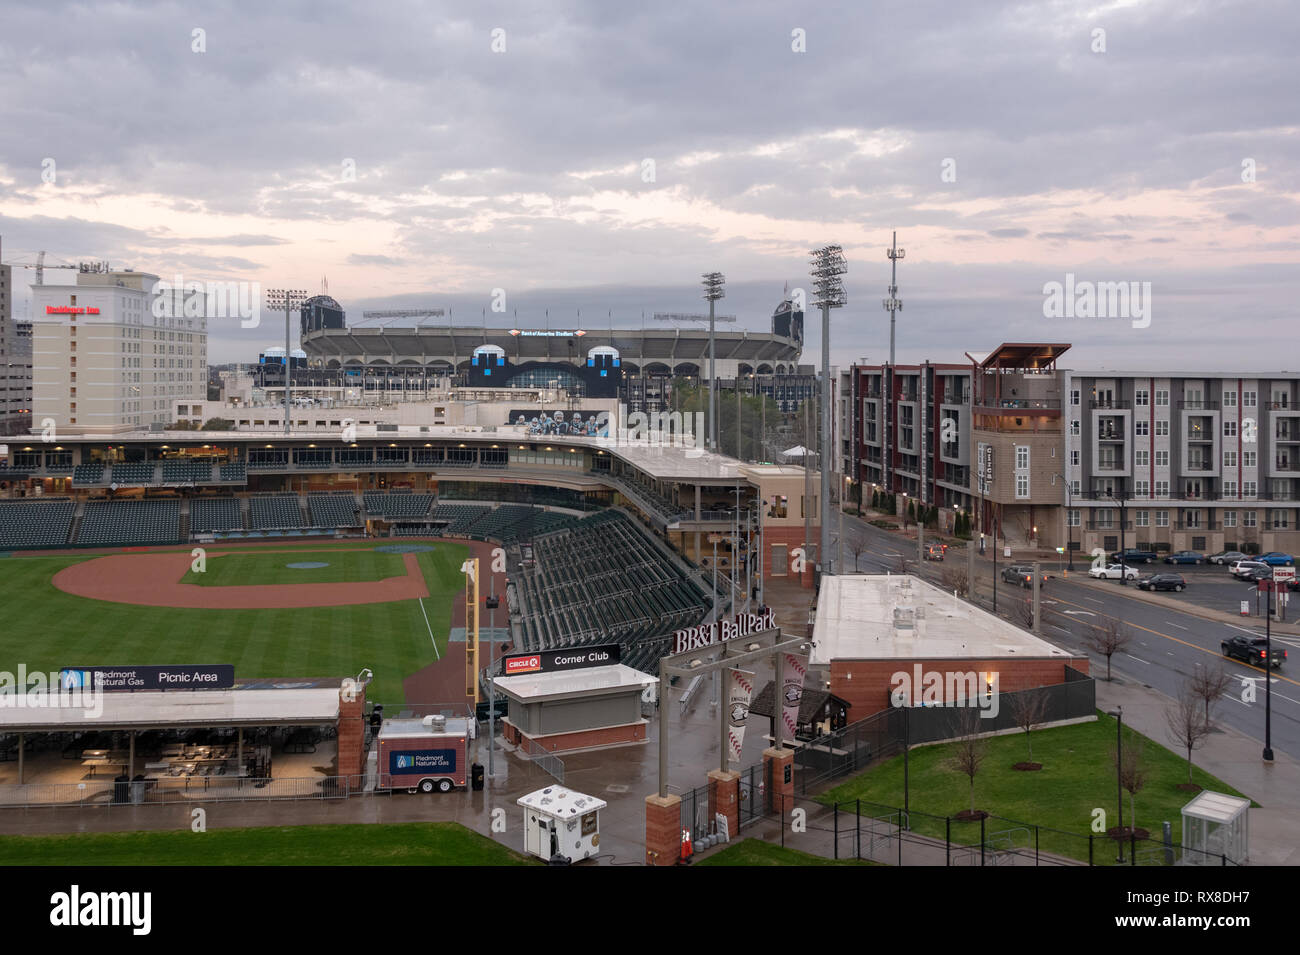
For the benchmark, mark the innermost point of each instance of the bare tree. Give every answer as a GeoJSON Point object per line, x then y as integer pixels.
{"type": "Point", "coordinates": [857, 543]}
{"type": "Point", "coordinates": [970, 750]}
{"type": "Point", "coordinates": [1028, 709]}
{"type": "Point", "coordinates": [1187, 726]}
{"type": "Point", "coordinates": [1132, 770]}
{"type": "Point", "coordinates": [955, 579]}
{"type": "Point", "coordinates": [1025, 613]}
{"type": "Point", "coordinates": [1107, 640]}
{"type": "Point", "coordinates": [1209, 685]}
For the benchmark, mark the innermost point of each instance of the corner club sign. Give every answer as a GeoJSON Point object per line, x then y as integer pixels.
{"type": "Point", "coordinates": [741, 625]}
{"type": "Point", "coordinates": [552, 660]}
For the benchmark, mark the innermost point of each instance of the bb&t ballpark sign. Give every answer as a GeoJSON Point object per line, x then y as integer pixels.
{"type": "Point", "coordinates": [741, 625]}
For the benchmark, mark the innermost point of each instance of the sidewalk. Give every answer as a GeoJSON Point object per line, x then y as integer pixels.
{"type": "Point", "coordinates": [1232, 757]}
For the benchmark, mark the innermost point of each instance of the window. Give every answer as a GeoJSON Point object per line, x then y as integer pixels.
{"type": "Point", "coordinates": [1229, 429]}
{"type": "Point", "coordinates": [1074, 426]}
{"type": "Point", "coordinates": [1072, 517]}
{"type": "Point", "coordinates": [1278, 518]}
{"type": "Point", "coordinates": [1229, 459]}
{"type": "Point", "coordinates": [1074, 396]}
{"type": "Point", "coordinates": [1230, 399]}
{"type": "Point", "coordinates": [1074, 458]}
{"type": "Point", "coordinates": [1162, 488]}
{"type": "Point", "coordinates": [1249, 489]}
{"type": "Point", "coordinates": [1162, 459]}
{"type": "Point", "coordinates": [1142, 518]}
{"type": "Point", "coordinates": [1192, 519]}
{"type": "Point", "coordinates": [1022, 485]}
{"type": "Point", "coordinates": [1162, 428]}
{"type": "Point", "coordinates": [1141, 489]}
{"type": "Point", "coordinates": [1162, 518]}
{"type": "Point", "coordinates": [1141, 398]}
{"type": "Point", "coordinates": [1162, 398]}
{"type": "Point", "coordinates": [1248, 399]}
{"type": "Point", "coordinates": [1142, 428]}
{"type": "Point", "coordinates": [1141, 458]}
{"type": "Point", "coordinates": [1248, 458]}
{"type": "Point", "coordinates": [1074, 487]}
{"type": "Point", "coordinates": [1229, 488]}
{"type": "Point", "coordinates": [1229, 519]}
{"type": "Point", "coordinates": [1105, 517]}
{"type": "Point", "coordinates": [1022, 457]}
{"type": "Point", "coordinates": [1248, 519]}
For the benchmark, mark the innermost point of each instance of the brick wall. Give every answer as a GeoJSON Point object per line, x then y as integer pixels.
{"type": "Point", "coordinates": [582, 739]}
{"type": "Point", "coordinates": [352, 733]}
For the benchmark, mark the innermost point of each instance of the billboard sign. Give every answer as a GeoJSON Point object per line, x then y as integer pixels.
{"type": "Point", "coordinates": [741, 625]}
{"type": "Point", "coordinates": [580, 422]}
{"type": "Point", "coordinates": [550, 661]}
{"type": "Point", "coordinates": [219, 676]}
{"type": "Point", "coordinates": [419, 761]}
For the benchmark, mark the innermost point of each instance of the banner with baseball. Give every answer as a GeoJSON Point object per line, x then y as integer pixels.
{"type": "Point", "coordinates": [739, 694]}
{"type": "Point", "coordinates": [794, 670]}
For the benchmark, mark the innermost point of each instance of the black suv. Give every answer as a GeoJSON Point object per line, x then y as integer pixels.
{"type": "Point", "coordinates": [1174, 582]}
{"type": "Point", "coordinates": [1133, 556]}
{"type": "Point", "coordinates": [1251, 650]}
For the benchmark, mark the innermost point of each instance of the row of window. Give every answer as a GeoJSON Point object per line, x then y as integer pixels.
{"type": "Point", "coordinates": [1278, 519]}
{"type": "Point", "coordinates": [1142, 398]}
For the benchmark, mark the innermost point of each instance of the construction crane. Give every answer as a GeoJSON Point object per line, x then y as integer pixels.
{"type": "Point", "coordinates": [40, 267]}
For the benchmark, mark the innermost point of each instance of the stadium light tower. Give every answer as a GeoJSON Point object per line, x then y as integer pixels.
{"type": "Point", "coordinates": [713, 283]}
{"type": "Point", "coordinates": [892, 304]}
{"type": "Point", "coordinates": [828, 293]}
{"type": "Point", "coordinates": [287, 299]}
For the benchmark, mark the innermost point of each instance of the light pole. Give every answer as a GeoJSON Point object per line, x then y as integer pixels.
{"type": "Point", "coordinates": [493, 602]}
{"type": "Point", "coordinates": [1119, 783]}
{"type": "Point", "coordinates": [714, 283]}
{"type": "Point", "coordinates": [1123, 569]}
{"type": "Point", "coordinates": [828, 293]}
{"type": "Point", "coordinates": [1268, 674]}
{"type": "Point", "coordinates": [892, 305]}
{"type": "Point", "coordinates": [1069, 528]}
{"type": "Point", "coordinates": [287, 299]}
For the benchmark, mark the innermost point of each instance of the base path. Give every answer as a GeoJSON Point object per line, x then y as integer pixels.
{"type": "Point", "coordinates": [154, 580]}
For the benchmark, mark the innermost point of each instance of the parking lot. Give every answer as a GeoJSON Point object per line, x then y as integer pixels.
{"type": "Point", "coordinates": [1212, 587]}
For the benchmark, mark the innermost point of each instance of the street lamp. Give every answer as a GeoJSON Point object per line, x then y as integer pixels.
{"type": "Point", "coordinates": [828, 292]}
{"type": "Point", "coordinates": [1123, 569]}
{"type": "Point", "coordinates": [1118, 713]}
{"type": "Point", "coordinates": [287, 299]}
{"type": "Point", "coordinates": [1069, 528]}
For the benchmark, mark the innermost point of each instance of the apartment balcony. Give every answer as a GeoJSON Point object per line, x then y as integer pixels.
{"type": "Point", "coordinates": [1106, 403]}
{"type": "Point", "coordinates": [1201, 526]}
{"type": "Point", "coordinates": [1199, 467]}
{"type": "Point", "coordinates": [1198, 405]}
{"type": "Point", "coordinates": [1282, 406]}
{"type": "Point", "coordinates": [1109, 525]}
{"type": "Point", "coordinates": [1115, 437]}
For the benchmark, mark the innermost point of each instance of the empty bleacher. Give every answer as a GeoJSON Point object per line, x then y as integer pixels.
{"type": "Point", "coordinates": [269, 512]}
{"type": "Point", "coordinates": [88, 474]}
{"type": "Point", "coordinates": [39, 523]}
{"type": "Point", "coordinates": [184, 471]}
{"type": "Point", "coordinates": [333, 510]}
{"type": "Point", "coordinates": [132, 472]}
{"type": "Point", "coordinates": [397, 504]}
{"type": "Point", "coordinates": [107, 523]}
{"type": "Point", "coordinates": [458, 516]}
{"type": "Point", "coordinates": [238, 471]}
{"type": "Point", "coordinates": [604, 581]}
{"type": "Point", "coordinates": [215, 515]}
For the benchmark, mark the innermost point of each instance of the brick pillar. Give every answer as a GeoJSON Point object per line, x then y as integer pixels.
{"type": "Point", "coordinates": [352, 729]}
{"type": "Point", "coordinates": [663, 829]}
{"type": "Point", "coordinates": [780, 793]}
{"type": "Point", "coordinates": [724, 797]}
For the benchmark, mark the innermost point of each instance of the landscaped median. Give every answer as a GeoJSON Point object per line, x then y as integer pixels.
{"type": "Point", "coordinates": [1051, 809]}
{"type": "Point", "coordinates": [413, 843]}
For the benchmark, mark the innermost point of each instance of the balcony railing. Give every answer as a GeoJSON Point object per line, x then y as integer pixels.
{"type": "Point", "coordinates": [1202, 526]}
{"type": "Point", "coordinates": [1109, 525]}
{"type": "Point", "coordinates": [1197, 405]}
{"type": "Point", "coordinates": [1108, 403]}
{"type": "Point", "coordinates": [1283, 406]}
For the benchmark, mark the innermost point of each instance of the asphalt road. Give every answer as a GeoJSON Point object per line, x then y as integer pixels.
{"type": "Point", "coordinates": [1166, 646]}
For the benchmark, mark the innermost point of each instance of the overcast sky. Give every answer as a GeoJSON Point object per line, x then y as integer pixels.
{"type": "Point", "coordinates": [604, 154]}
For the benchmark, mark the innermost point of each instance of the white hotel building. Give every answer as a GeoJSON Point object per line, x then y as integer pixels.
{"type": "Point", "coordinates": [106, 360]}
{"type": "Point", "coordinates": [1200, 461]}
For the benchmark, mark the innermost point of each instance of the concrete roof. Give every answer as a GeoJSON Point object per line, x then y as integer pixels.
{"type": "Point", "coordinates": [855, 620]}
{"type": "Point", "coordinates": [558, 802]}
{"type": "Point", "coordinates": [599, 681]}
{"type": "Point", "coordinates": [157, 709]}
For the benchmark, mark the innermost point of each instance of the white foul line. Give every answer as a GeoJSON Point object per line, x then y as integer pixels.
{"type": "Point", "coordinates": [430, 629]}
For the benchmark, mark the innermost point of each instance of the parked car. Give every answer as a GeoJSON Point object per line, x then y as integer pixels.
{"type": "Point", "coordinates": [934, 552]}
{"type": "Point", "coordinates": [1175, 582]}
{"type": "Point", "coordinates": [1022, 574]}
{"type": "Point", "coordinates": [1255, 574]}
{"type": "Point", "coordinates": [1277, 559]}
{"type": "Point", "coordinates": [1185, 557]}
{"type": "Point", "coordinates": [1227, 557]}
{"type": "Point", "coordinates": [1243, 568]}
{"type": "Point", "coordinates": [1252, 650]}
{"type": "Point", "coordinates": [1113, 572]}
{"type": "Point", "coordinates": [1134, 556]}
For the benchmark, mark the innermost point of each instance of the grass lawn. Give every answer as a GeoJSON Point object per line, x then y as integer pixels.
{"type": "Point", "coordinates": [758, 852]}
{"type": "Point", "coordinates": [413, 843]}
{"type": "Point", "coordinates": [1077, 777]}
{"type": "Point", "coordinates": [46, 628]}
{"type": "Point", "coordinates": [238, 569]}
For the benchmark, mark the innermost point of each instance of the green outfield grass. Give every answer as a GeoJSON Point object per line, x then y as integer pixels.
{"type": "Point", "coordinates": [757, 852]}
{"type": "Point", "coordinates": [413, 843]}
{"type": "Point", "coordinates": [46, 628]}
{"type": "Point", "coordinates": [239, 569]}
{"type": "Point", "coordinates": [1078, 776]}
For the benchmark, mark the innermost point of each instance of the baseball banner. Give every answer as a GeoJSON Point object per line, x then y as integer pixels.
{"type": "Point", "coordinates": [794, 670]}
{"type": "Point", "coordinates": [740, 692]}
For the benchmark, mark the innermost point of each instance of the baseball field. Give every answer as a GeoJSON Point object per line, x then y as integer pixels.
{"type": "Point", "coordinates": [307, 609]}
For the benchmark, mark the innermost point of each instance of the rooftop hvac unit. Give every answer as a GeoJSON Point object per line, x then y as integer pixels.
{"type": "Point", "coordinates": [436, 723]}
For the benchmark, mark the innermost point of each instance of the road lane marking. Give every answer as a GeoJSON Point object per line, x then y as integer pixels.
{"type": "Point", "coordinates": [1138, 659]}
{"type": "Point", "coordinates": [1178, 625]}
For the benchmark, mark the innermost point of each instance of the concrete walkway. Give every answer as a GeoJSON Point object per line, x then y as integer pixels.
{"type": "Point", "coordinates": [1232, 757]}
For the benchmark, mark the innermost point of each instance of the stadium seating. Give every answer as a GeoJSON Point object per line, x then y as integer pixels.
{"type": "Point", "coordinates": [35, 523]}
{"type": "Point", "coordinates": [458, 516]}
{"type": "Point", "coordinates": [275, 512]}
{"type": "Point", "coordinates": [333, 510]}
{"type": "Point", "coordinates": [397, 505]}
{"type": "Point", "coordinates": [209, 514]}
{"type": "Point", "coordinates": [237, 471]}
{"type": "Point", "coordinates": [182, 471]}
{"type": "Point", "coordinates": [108, 523]}
{"type": "Point", "coordinates": [132, 472]}
{"type": "Point", "coordinates": [88, 474]}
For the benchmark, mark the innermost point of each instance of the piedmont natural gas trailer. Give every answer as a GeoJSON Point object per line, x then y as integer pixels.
{"type": "Point", "coordinates": [427, 754]}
